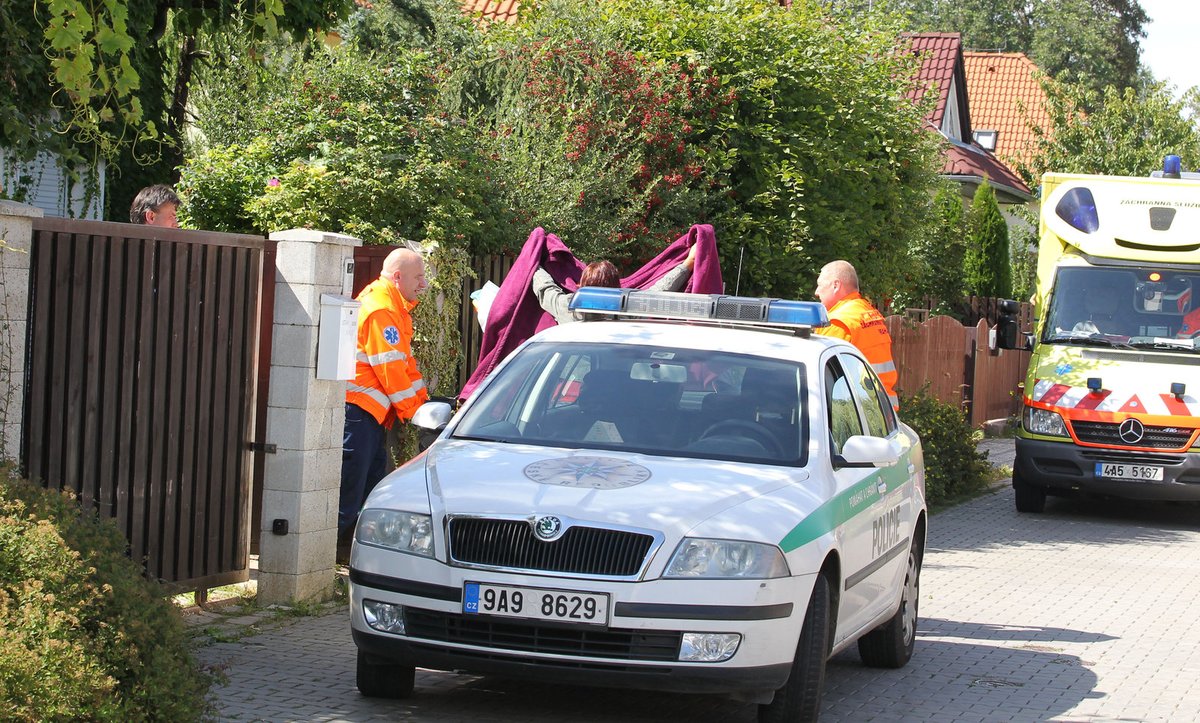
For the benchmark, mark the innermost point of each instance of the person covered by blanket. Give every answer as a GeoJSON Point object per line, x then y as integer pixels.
{"type": "Point", "coordinates": [556, 301]}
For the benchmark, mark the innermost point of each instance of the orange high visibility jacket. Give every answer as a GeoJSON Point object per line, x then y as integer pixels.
{"type": "Point", "coordinates": [387, 383]}
{"type": "Point", "coordinates": [855, 320]}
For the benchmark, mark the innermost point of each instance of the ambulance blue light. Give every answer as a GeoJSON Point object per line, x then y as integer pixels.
{"type": "Point", "coordinates": [797, 313]}
{"type": "Point", "coordinates": [1078, 208]}
{"type": "Point", "coordinates": [1171, 166]}
{"type": "Point", "coordinates": [598, 298]}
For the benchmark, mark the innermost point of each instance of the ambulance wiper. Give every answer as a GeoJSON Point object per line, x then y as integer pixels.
{"type": "Point", "coordinates": [1088, 340]}
{"type": "Point", "coordinates": [1160, 342]}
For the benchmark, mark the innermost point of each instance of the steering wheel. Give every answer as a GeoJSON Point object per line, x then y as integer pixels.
{"type": "Point", "coordinates": [745, 428]}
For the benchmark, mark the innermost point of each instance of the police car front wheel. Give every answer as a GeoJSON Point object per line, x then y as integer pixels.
{"type": "Point", "coordinates": [378, 678]}
{"type": "Point", "coordinates": [800, 698]}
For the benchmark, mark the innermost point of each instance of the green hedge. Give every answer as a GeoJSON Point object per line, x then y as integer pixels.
{"type": "Point", "coordinates": [83, 635]}
{"type": "Point", "coordinates": [954, 468]}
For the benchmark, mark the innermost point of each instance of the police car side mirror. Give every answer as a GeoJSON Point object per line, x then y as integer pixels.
{"type": "Point", "coordinates": [431, 418]}
{"type": "Point", "coordinates": [863, 451]}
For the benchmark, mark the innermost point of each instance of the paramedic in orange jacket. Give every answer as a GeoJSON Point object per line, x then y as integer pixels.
{"type": "Point", "coordinates": [851, 317]}
{"type": "Point", "coordinates": [387, 384]}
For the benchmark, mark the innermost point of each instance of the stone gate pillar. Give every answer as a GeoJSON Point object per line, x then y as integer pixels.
{"type": "Point", "coordinates": [16, 243]}
{"type": "Point", "coordinates": [305, 417]}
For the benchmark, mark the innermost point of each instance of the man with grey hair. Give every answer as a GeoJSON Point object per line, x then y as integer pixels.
{"type": "Point", "coordinates": [853, 318]}
{"type": "Point", "coordinates": [387, 384]}
{"type": "Point", "coordinates": [155, 206]}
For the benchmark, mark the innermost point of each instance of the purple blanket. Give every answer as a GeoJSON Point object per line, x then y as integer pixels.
{"type": "Point", "coordinates": [515, 314]}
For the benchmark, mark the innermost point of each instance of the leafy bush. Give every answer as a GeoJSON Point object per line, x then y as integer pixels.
{"type": "Point", "coordinates": [953, 466]}
{"type": "Point", "coordinates": [83, 635]}
{"type": "Point", "coordinates": [342, 143]}
{"type": "Point", "coordinates": [986, 265]}
{"type": "Point", "coordinates": [819, 153]}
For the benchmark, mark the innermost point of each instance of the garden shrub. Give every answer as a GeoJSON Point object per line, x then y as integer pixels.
{"type": "Point", "coordinates": [953, 466]}
{"type": "Point", "coordinates": [986, 266]}
{"type": "Point", "coordinates": [84, 635]}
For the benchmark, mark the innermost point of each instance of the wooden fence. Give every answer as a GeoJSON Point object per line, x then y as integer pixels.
{"type": "Point", "coordinates": [956, 364]}
{"type": "Point", "coordinates": [143, 386]}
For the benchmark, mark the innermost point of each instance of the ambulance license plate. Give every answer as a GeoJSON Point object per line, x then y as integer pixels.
{"type": "Point", "coordinates": [533, 603]}
{"type": "Point", "coordinates": [1133, 472]}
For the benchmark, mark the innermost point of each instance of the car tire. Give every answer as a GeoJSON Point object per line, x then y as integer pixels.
{"type": "Point", "coordinates": [800, 698]}
{"type": "Point", "coordinates": [891, 645]}
{"type": "Point", "coordinates": [378, 679]}
{"type": "Point", "coordinates": [1029, 497]}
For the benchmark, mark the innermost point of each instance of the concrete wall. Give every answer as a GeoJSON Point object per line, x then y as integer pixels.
{"type": "Point", "coordinates": [16, 235]}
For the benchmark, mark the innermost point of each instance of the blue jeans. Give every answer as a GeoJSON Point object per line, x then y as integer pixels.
{"type": "Point", "coordinates": [364, 463]}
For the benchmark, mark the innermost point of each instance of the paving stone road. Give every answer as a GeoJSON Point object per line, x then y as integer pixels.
{"type": "Point", "coordinates": [1085, 613]}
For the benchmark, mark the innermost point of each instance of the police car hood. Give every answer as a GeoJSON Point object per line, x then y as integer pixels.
{"type": "Point", "coordinates": [1131, 381]}
{"type": "Point", "coordinates": [668, 494]}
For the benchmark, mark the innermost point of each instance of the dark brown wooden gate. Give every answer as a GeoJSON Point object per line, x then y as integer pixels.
{"type": "Point", "coordinates": [143, 386]}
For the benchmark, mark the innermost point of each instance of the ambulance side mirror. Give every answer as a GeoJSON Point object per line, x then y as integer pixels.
{"type": "Point", "coordinates": [1008, 328]}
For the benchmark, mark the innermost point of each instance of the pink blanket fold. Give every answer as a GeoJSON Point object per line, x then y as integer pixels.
{"type": "Point", "coordinates": [515, 314]}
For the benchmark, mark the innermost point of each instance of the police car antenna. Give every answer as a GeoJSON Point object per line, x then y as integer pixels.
{"type": "Point", "coordinates": [737, 286]}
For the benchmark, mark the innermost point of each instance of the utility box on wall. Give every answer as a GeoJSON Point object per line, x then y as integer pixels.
{"type": "Point", "coordinates": [337, 338]}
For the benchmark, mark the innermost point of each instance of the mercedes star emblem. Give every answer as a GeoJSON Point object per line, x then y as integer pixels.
{"type": "Point", "coordinates": [1131, 431]}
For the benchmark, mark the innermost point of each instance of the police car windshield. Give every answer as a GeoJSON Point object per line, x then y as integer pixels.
{"type": "Point", "coordinates": [1124, 307]}
{"type": "Point", "coordinates": [645, 399]}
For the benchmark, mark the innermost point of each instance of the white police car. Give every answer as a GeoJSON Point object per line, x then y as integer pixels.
{"type": "Point", "coordinates": [713, 505]}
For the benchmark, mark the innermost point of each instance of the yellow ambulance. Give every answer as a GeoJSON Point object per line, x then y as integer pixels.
{"type": "Point", "coordinates": [1112, 396]}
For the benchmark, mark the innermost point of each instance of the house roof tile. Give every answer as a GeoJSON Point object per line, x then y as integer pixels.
{"type": "Point", "coordinates": [1005, 95]}
{"type": "Point", "coordinates": [490, 11]}
{"type": "Point", "coordinates": [968, 159]}
{"type": "Point", "coordinates": [940, 55]}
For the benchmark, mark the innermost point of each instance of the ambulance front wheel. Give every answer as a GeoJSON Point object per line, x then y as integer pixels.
{"type": "Point", "coordinates": [1030, 497]}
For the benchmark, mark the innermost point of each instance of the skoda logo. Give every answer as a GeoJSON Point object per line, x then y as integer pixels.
{"type": "Point", "coordinates": [548, 527]}
{"type": "Point", "coordinates": [1131, 431]}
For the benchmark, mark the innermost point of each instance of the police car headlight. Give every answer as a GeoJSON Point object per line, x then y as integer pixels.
{"type": "Point", "coordinates": [403, 531]}
{"type": "Point", "coordinates": [1042, 421]}
{"type": "Point", "coordinates": [702, 558]}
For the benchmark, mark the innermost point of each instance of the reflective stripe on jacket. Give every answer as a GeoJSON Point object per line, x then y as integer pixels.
{"type": "Point", "coordinates": [855, 320]}
{"type": "Point", "coordinates": [387, 383]}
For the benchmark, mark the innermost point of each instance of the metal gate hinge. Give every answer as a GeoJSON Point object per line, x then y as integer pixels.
{"type": "Point", "coordinates": [267, 447]}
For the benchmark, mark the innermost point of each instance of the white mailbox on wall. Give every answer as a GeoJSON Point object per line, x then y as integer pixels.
{"type": "Point", "coordinates": [337, 337]}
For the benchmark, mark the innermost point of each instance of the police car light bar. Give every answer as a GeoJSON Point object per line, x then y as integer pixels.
{"type": "Point", "coordinates": [700, 307]}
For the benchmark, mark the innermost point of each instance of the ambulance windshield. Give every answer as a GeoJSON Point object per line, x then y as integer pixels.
{"type": "Point", "coordinates": [1127, 306]}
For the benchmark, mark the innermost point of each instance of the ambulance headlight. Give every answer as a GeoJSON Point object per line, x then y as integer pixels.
{"type": "Point", "coordinates": [1043, 421]}
{"type": "Point", "coordinates": [701, 558]}
{"type": "Point", "coordinates": [403, 531]}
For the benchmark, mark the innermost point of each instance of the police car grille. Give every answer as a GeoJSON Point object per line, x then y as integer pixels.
{"type": "Point", "coordinates": [1154, 437]}
{"type": "Point", "coordinates": [532, 637]}
{"type": "Point", "coordinates": [580, 550]}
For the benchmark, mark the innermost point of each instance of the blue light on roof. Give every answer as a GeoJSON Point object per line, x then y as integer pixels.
{"type": "Point", "coordinates": [797, 313]}
{"type": "Point", "coordinates": [597, 298]}
{"type": "Point", "coordinates": [1171, 166]}
{"type": "Point", "coordinates": [1078, 208]}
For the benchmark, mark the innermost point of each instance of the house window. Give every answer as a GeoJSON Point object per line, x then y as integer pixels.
{"type": "Point", "coordinates": [986, 139]}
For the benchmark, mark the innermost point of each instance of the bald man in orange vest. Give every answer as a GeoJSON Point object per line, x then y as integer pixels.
{"type": "Point", "coordinates": [851, 317]}
{"type": "Point", "coordinates": [387, 384]}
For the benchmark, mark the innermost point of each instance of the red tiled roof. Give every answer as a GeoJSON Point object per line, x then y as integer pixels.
{"type": "Point", "coordinates": [999, 85]}
{"type": "Point", "coordinates": [492, 11]}
{"type": "Point", "coordinates": [940, 55]}
{"type": "Point", "coordinates": [964, 159]}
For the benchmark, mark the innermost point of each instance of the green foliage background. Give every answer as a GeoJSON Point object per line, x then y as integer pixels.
{"type": "Point", "coordinates": [83, 635]}
{"type": "Point", "coordinates": [986, 264]}
{"type": "Point", "coordinates": [954, 468]}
